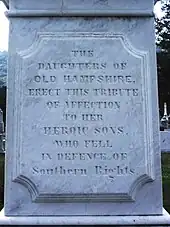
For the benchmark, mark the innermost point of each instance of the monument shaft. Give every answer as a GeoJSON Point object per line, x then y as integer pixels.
{"type": "Point", "coordinates": [83, 133]}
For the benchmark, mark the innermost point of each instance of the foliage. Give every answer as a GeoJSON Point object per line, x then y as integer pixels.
{"type": "Point", "coordinates": [3, 102]}
{"type": "Point", "coordinates": [3, 76]}
{"type": "Point", "coordinates": [3, 68]}
{"type": "Point", "coordinates": [1, 180]}
{"type": "Point", "coordinates": [163, 55]}
{"type": "Point", "coordinates": [163, 28]}
{"type": "Point", "coordinates": [3, 63]}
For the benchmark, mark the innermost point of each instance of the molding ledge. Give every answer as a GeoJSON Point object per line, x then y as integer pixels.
{"type": "Point", "coordinates": [77, 13]}
{"type": "Point", "coordinates": [39, 13]}
{"type": "Point", "coordinates": [162, 220]}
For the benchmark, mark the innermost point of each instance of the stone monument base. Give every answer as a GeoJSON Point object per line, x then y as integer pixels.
{"type": "Point", "coordinates": [162, 220]}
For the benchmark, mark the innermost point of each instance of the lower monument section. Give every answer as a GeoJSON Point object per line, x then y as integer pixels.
{"type": "Point", "coordinates": [162, 220]}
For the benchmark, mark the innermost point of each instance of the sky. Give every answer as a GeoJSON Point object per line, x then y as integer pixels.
{"type": "Point", "coordinates": [4, 25]}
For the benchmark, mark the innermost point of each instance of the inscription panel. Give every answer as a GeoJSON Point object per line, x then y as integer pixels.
{"type": "Point", "coordinates": [83, 118]}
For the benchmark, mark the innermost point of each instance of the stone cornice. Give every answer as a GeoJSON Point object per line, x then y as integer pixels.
{"type": "Point", "coordinates": [6, 2]}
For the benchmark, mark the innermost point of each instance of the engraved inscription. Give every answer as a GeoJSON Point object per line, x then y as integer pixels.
{"type": "Point", "coordinates": [44, 77]}
{"type": "Point", "coordinates": [95, 109]}
{"type": "Point", "coordinates": [86, 96]}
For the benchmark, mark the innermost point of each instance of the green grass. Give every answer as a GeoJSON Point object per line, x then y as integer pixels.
{"type": "Point", "coordinates": [166, 180]}
{"type": "Point", "coordinates": [165, 177]}
{"type": "Point", "coordinates": [1, 180]}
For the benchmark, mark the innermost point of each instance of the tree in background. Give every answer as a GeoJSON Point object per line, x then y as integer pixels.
{"type": "Point", "coordinates": [3, 102]}
{"type": "Point", "coordinates": [3, 63]}
{"type": "Point", "coordinates": [3, 76]}
{"type": "Point", "coordinates": [163, 55]}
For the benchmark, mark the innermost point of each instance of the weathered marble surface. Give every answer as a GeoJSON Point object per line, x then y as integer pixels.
{"type": "Point", "coordinates": [6, 2]}
{"type": "Point", "coordinates": [40, 182]}
{"type": "Point", "coordinates": [78, 7]}
{"type": "Point", "coordinates": [159, 221]}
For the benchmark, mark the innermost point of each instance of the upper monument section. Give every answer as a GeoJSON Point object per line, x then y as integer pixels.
{"type": "Point", "coordinates": [33, 8]}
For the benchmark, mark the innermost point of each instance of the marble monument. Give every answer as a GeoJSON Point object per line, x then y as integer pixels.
{"type": "Point", "coordinates": [83, 133]}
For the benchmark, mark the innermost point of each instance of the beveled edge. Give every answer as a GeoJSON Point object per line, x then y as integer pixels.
{"type": "Point", "coordinates": [74, 13]}
{"type": "Point", "coordinates": [6, 2]}
{"type": "Point", "coordinates": [160, 220]}
{"type": "Point", "coordinates": [79, 13]}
